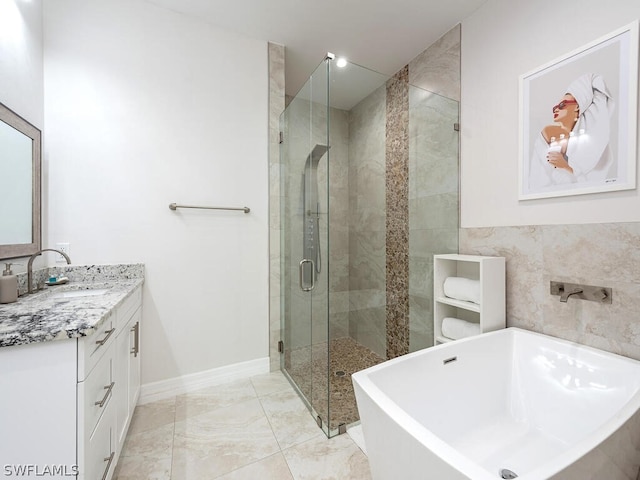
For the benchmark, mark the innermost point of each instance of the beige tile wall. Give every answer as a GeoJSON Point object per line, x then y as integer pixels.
{"type": "Point", "coordinates": [276, 106]}
{"type": "Point", "coordinates": [367, 216]}
{"type": "Point", "coordinates": [605, 255]}
{"type": "Point", "coordinates": [433, 202]}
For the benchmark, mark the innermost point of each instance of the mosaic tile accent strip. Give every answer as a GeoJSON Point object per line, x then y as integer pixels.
{"type": "Point", "coordinates": [397, 219]}
{"type": "Point", "coordinates": [331, 395]}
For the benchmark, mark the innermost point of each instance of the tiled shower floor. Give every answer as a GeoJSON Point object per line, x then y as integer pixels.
{"type": "Point", "coordinates": [331, 395]}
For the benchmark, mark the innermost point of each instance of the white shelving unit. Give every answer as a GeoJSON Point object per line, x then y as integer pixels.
{"type": "Point", "coordinates": [490, 312]}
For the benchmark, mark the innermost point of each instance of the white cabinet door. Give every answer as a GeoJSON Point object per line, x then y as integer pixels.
{"type": "Point", "coordinates": [127, 374]}
{"type": "Point", "coordinates": [100, 450]}
{"type": "Point", "coordinates": [121, 400]}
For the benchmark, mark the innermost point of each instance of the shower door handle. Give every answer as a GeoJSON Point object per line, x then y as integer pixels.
{"type": "Point", "coordinates": [301, 274]}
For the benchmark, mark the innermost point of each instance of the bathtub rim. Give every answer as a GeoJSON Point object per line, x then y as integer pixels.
{"type": "Point", "coordinates": [457, 460]}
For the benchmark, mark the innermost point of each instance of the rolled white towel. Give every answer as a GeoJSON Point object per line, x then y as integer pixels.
{"type": "Point", "coordinates": [462, 288]}
{"type": "Point", "coordinates": [455, 328]}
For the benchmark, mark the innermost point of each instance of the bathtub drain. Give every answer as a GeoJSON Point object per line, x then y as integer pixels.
{"type": "Point", "coordinates": [507, 474]}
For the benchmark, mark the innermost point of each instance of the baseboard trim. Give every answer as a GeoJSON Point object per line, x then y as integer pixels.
{"type": "Point", "coordinates": [151, 392]}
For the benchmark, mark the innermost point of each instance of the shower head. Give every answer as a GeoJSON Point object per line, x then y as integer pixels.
{"type": "Point", "coordinates": [310, 177]}
{"type": "Point", "coordinates": [316, 154]}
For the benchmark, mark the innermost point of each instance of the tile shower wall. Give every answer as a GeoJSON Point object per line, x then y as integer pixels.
{"type": "Point", "coordinates": [594, 254]}
{"type": "Point", "coordinates": [433, 202]}
{"type": "Point", "coordinates": [339, 255]}
{"type": "Point", "coordinates": [299, 139]}
{"type": "Point", "coordinates": [404, 208]}
{"type": "Point", "coordinates": [367, 217]}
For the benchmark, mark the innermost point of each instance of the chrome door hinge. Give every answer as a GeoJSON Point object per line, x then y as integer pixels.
{"type": "Point", "coordinates": [456, 127]}
{"type": "Point", "coordinates": [281, 137]}
{"type": "Point", "coordinates": [280, 346]}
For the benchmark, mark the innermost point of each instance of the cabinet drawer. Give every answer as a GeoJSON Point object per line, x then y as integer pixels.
{"type": "Point", "coordinates": [95, 393]}
{"type": "Point", "coordinates": [128, 307]}
{"type": "Point", "coordinates": [99, 451]}
{"type": "Point", "coordinates": [91, 348]}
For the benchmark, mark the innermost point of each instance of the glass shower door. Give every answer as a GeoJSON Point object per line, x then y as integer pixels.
{"type": "Point", "coordinates": [304, 153]}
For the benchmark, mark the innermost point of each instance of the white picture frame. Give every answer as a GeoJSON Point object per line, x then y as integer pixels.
{"type": "Point", "coordinates": [578, 120]}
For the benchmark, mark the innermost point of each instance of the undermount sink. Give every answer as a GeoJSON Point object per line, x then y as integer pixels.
{"type": "Point", "coordinates": [81, 293]}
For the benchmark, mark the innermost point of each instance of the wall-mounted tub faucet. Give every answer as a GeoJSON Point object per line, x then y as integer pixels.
{"type": "Point", "coordinates": [564, 296]}
{"type": "Point", "coordinates": [583, 292]}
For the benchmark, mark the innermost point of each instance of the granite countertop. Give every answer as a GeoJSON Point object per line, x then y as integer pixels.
{"type": "Point", "coordinates": [60, 312]}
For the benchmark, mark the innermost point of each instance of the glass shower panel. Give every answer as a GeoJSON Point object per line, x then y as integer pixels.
{"type": "Point", "coordinates": [333, 237]}
{"type": "Point", "coordinates": [433, 201]}
{"type": "Point", "coordinates": [304, 158]}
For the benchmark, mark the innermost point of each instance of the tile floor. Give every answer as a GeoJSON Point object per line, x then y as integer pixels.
{"type": "Point", "coordinates": [243, 430]}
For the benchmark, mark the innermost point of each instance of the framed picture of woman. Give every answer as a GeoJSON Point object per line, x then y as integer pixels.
{"type": "Point", "coordinates": [579, 120]}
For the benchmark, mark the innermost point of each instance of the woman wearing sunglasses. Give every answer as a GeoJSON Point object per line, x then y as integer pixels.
{"type": "Point", "coordinates": [575, 147]}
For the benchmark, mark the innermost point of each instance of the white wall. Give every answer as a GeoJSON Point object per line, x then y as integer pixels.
{"type": "Point", "coordinates": [501, 41]}
{"type": "Point", "coordinates": [145, 107]}
{"type": "Point", "coordinates": [21, 78]}
{"type": "Point", "coordinates": [21, 74]}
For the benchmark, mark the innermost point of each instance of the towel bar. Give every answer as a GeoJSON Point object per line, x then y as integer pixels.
{"type": "Point", "coordinates": [174, 206]}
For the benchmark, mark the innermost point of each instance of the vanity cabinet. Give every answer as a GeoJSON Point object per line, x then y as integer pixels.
{"type": "Point", "coordinates": [108, 388]}
{"type": "Point", "coordinates": [68, 403]}
{"type": "Point", "coordinates": [489, 313]}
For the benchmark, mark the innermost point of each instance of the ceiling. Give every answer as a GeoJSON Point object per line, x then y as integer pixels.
{"type": "Point", "coordinates": [382, 35]}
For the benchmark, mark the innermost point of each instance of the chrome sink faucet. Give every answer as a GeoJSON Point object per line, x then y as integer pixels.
{"type": "Point", "coordinates": [30, 265]}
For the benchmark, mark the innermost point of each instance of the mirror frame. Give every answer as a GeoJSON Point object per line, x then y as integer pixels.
{"type": "Point", "coordinates": [14, 120]}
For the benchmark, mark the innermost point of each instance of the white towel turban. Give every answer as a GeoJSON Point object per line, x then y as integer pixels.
{"type": "Point", "coordinates": [590, 89]}
{"type": "Point", "coordinates": [591, 156]}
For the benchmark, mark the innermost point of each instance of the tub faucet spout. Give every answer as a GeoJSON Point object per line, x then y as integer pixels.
{"type": "Point", "coordinates": [567, 293]}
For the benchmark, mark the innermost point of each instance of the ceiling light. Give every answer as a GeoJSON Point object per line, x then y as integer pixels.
{"type": "Point", "coordinates": [341, 62]}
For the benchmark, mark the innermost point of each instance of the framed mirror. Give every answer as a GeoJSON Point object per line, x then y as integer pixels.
{"type": "Point", "coordinates": [20, 163]}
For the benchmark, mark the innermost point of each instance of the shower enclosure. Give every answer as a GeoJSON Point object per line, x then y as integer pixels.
{"type": "Point", "coordinates": [369, 192]}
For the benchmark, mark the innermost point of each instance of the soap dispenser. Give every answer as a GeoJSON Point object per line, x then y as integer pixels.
{"type": "Point", "coordinates": [8, 285]}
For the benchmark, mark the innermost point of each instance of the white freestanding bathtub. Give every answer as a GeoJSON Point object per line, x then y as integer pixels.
{"type": "Point", "coordinates": [504, 403]}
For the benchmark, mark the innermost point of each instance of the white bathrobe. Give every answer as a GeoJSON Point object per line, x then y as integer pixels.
{"type": "Point", "coordinates": [588, 153]}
